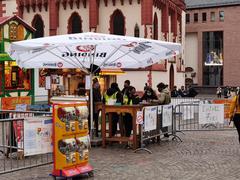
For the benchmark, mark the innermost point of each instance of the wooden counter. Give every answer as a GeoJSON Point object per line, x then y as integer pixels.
{"type": "Point", "coordinates": [119, 109]}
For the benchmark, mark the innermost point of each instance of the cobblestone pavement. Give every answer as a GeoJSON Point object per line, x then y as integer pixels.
{"type": "Point", "coordinates": [206, 155]}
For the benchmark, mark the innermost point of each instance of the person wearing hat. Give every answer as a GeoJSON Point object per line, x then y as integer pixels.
{"type": "Point", "coordinates": [164, 94]}
{"type": "Point", "coordinates": [164, 98]}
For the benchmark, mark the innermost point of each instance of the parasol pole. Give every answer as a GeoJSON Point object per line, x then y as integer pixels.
{"type": "Point", "coordinates": [91, 106]}
{"type": "Point", "coordinates": [91, 92]}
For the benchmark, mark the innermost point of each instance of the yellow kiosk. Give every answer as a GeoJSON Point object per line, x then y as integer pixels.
{"type": "Point", "coordinates": [71, 141]}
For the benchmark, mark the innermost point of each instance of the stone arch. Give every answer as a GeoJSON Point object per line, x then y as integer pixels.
{"type": "Point", "coordinates": [117, 23]}
{"type": "Point", "coordinates": [75, 23]}
{"type": "Point", "coordinates": [136, 31]}
{"type": "Point", "coordinates": [38, 24]}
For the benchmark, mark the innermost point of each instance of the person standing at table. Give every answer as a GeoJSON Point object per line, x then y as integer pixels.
{"type": "Point", "coordinates": [164, 98]}
{"type": "Point", "coordinates": [125, 90]}
{"type": "Point", "coordinates": [174, 92]}
{"type": "Point", "coordinates": [132, 98]}
{"type": "Point", "coordinates": [113, 95]}
{"type": "Point", "coordinates": [81, 91]}
{"type": "Point", "coordinates": [149, 94]}
{"type": "Point", "coordinates": [97, 97]}
{"type": "Point", "coordinates": [126, 86]}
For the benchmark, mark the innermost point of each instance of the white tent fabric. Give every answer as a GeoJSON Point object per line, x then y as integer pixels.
{"type": "Point", "coordinates": [81, 50]}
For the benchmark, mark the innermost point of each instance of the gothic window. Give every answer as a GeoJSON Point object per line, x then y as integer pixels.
{"type": "Point", "coordinates": [38, 24]}
{"type": "Point", "coordinates": [13, 31]}
{"type": "Point", "coordinates": [136, 31]}
{"type": "Point", "coordinates": [117, 23]}
{"type": "Point", "coordinates": [74, 24]}
{"type": "Point", "coordinates": [155, 27]}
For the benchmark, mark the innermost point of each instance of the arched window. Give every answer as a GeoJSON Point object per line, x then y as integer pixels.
{"type": "Point", "coordinates": [136, 31]}
{"type": "Point", "coordinates": [117, 23]}
{"type": "Point", "coordinates": [20, 33]}
{"type": "Point", "coordinates": [38, 24]}
{"type": "Point", "coordinates": [74, 24]}
{"type": "Point", "coordinates": [13, 31]}
{"type": "Point", "coordinates": [155, 27]}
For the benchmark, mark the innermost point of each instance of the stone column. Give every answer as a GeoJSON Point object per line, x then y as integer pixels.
{"type": "Point", "coordinates": [93, 15]}
{"type": "Point", "coordinates": [53, 17]}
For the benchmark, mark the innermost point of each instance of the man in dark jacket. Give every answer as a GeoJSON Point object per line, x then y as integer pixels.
{"type": "Point", "coordinates": [174, 92]}
{"type": "Point", "coordinates": [96, 98]}
{"type": "Point", "coordinates": [125, 88]}
{"type": "Point", "coordinates": [149, 94]}
{"type": "Point", "coordinates": [192, 92]}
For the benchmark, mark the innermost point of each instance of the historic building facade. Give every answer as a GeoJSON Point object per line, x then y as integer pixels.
{"type": "Point", "coordinates": [155, 19]}
{"type": "Point", "coordinates": [212, 38]}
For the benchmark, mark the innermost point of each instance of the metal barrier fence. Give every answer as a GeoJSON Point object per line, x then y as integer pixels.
{"type": "Point", "coordinates": [181, 115]}
{"type": "Point", "coordinates": [11, 148]}
{"type": "Point", "coordinates": [157, 121]}
{"type": "Point", "coordinates": [187, 119]}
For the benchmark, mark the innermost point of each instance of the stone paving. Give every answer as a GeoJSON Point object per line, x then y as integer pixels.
{"type": "Point", "coordinates": [210, 155]}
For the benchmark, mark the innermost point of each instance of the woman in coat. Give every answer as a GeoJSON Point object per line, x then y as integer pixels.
{"type": "Point", "coordinates": [235, 113]}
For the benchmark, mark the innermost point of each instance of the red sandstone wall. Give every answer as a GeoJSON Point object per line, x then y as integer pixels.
{"type": "Point", "coordinates": [231, 33]}
{"type": "Point", "coordinates": [2, 7]}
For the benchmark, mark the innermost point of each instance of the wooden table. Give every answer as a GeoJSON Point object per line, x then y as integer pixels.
{"type": "Point", "coordinates": [119, 109]}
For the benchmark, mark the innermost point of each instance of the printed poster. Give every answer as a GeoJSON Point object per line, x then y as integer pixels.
{"type": "Point", "coordinates": [167, 115]}
{"type": "Point", "coordinates": [37, 135]}
{"type": "Point", "coordinates": [150, 118]}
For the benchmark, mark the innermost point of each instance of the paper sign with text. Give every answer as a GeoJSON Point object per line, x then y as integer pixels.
{"type": "Point", "coordinates": [37, 135]}
{"type": "Point", "coordinates": [211, 113]}
{"type": "Point", "coordinates": [150, 118]}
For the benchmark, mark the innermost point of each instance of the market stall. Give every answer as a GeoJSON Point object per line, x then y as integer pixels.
{"type": "Point", "coordinates": [16, 85]}
{"type": "Point", "coordinates": [86, 50]}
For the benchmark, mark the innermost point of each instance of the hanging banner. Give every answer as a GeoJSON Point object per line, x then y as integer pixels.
{"type": "Point", "coordinates": [9, 103]}
{"type": "Point", "coordinates": [37, 135]}
{"type": "Point", "coordinates": [150, 118]}
{"type": "Point", "coordinates": [167, 115]}
{"type": "Point", "coordinates": [211, 113]}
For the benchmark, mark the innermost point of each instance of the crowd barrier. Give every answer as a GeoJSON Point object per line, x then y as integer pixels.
{"type": "Point", "coordinates": [157, 121]}
{"type": "Point", "coordinates": [183, 114]}
{"type": "Point", "coordinates": [201, 117]}
{"type": "Point", "coordinates": [18, 132]}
